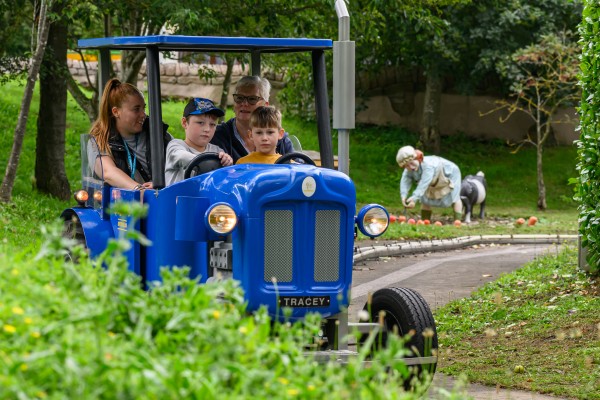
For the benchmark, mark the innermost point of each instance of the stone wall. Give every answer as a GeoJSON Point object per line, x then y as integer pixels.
{"type": "Point", "coordinates": [390, 104]}
{"type": "Point", "coordinates": [463, 114]}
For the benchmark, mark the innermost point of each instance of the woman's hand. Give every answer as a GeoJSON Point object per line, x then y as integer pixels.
{"type": "Point", "coordinates": [147, 185]}
{"type": "Point", "coordinates": [408, 203]}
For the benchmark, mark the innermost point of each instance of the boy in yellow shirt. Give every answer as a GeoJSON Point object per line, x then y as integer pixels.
{"type": "Point", "coordinates": [265, 131]}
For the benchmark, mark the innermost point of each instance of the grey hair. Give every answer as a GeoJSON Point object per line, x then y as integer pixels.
{"type": "Point", "coordinates": [263, 85]}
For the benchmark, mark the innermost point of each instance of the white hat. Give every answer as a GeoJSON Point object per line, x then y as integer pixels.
{"type": "Point", "coordinates": [405, 155]}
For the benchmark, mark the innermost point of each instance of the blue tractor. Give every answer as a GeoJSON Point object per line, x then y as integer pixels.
{"type": "Point", "coordinates": [285, 232]}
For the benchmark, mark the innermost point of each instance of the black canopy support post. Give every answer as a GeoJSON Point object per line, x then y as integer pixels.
{"type": "Point", "coordinates": [255, 62]}
{"type": "Point", "coordinates": [157, 146]}
{"type": "Point", "coordinates": [103, 71]}
{"type": "Point", "coordinates": [322, 108]}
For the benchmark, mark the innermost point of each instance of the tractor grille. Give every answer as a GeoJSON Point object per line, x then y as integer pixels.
{"type": "Point", "coordinates": [279, 239]}
{"type": "Point", "coordinates": [279, 245]}
{"type": "Point", "coordinates": [327, 245]}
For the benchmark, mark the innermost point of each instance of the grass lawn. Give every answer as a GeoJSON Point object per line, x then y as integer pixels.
{"type": "Point", "coordinates": [535, 329]}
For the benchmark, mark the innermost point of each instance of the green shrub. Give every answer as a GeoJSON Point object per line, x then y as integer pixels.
{"type": "Point", "coordinates": [588, 188]}
{"type": "Point", "coordinates": [83, 331]}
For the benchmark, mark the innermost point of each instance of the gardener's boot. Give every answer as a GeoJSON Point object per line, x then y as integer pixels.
{"type": "Point", "coordinates": [426, 214]}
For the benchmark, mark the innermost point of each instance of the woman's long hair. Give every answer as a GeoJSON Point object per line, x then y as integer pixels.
{"type": "Point", "coordinates": [114, 94]}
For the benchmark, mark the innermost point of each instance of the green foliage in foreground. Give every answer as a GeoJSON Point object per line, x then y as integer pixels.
{"type": "Point", "coordinates": [84, 332]}
{"type": "Point", "coordinates": [543, 318]}
{"type": "Point", "coordinates": [588, 188]}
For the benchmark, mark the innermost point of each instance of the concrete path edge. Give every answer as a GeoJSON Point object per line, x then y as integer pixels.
{"type": "Point", "coordinates": [397, 248]}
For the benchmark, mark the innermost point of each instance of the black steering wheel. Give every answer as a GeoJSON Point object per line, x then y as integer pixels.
{"type": "Point", "coordinates": [202, 164]}
{"type": "Point", "coordinates": [286, 158]}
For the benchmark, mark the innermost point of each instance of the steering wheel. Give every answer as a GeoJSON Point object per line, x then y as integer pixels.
{"type": "Point", "coordinates": [286, 158]}
{"type": "Point", "coordinates": [202, 164]}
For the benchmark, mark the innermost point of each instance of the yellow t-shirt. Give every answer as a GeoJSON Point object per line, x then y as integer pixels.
{"type": "Point", "coordinates": [258, 158]}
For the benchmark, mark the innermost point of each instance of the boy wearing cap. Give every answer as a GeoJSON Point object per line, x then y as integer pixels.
{"type": "Point", "coordinates": [438, 182]}
{"type": "Point", "coordinates": [265, 131]}
{"type": "Point", "coordinates": [199, 122]}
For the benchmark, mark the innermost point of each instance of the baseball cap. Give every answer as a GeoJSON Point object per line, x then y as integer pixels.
{"type": "Point", "coordinates": [199, 106]}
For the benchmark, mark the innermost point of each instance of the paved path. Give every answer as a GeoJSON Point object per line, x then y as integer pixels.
{"type": "Point", "coordinates": [442, 276]}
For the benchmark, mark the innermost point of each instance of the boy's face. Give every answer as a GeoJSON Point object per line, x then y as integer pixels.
{"type": "Point", "coordinates": [199, 129]}
{"type": "Point", "coordinates": [265, 139]}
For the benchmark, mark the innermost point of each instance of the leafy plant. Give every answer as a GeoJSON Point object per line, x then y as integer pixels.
{"type": "Point", "coordinates": [588, 187]}
{"type": "Point", "coordinates": [89, 330]}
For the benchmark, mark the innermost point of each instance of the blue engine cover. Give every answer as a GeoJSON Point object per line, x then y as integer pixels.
{"type": "Point", "coordinates": [294, 238]}
{"type": "Point", "coordinates": [292, 246]}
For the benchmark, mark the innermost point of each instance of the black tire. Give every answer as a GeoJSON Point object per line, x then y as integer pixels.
{"type": "Point", "coordinates": [72, 229]}
{"type": "Point", "coordinates": [406, 312]}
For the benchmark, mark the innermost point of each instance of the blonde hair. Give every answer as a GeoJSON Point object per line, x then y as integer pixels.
{"type": "Point", "coordinates": [115, 93]}
{"type": "Point", "coordinates": [265, 117]}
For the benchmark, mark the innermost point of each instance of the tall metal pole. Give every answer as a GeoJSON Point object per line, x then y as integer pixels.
{"type": "Point", "coordinates": [255, 62]}
{"type": "Point", "coordinates": [343, 86]}
{"type": "Point", "coordinates": [157, 145]}
{"type": "Point", "coordinates": [103, 71]}
{"type": "Point", "coordinates": [322, 108]}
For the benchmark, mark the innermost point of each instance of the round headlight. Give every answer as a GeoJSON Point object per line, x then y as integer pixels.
{"type": "Point", "coordinates": [98, 196]}
{"type": "Point", "coordinates": [221, 219]}
{"type": "Point", "coordinates": [373, 220]}
{"type": "Point", "coordinates": [81, 196]}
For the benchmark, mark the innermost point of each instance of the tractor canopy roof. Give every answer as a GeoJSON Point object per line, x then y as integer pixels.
{"type": "Point", "coordinates": [207, 43]}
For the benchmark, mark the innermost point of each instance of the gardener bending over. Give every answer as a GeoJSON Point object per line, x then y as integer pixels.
{"type": "Point", "coordinates": [437, 179]}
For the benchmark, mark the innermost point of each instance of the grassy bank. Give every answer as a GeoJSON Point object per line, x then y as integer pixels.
{"type": "Point", "coordinates": [512, 191]}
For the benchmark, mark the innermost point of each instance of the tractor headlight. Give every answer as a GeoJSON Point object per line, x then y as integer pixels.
{"type": "Point", "coordinates": [221, 219]}
{"type": "Point", "coordinates": [81, 197]}
{"type": "Point", "coordinates": [373, 220]}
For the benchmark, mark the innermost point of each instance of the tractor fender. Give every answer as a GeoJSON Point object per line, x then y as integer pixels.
{"type": "Point", "coordinates": [97, 231]}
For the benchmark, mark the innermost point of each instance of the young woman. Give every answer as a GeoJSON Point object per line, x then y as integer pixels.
{"type": "Point", "coordinates": [119, 145]}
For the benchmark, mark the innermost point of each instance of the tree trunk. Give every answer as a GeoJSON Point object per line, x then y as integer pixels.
{"type": "Point", "coordinates": [50, 174]}
{"type": "Point", "coordinates": [13, 162]}
{"type": "Point", "coordinates": [88, 105]}
{"type": "Point", "coordinates": [430, 123]}
{"type": "Point", "coordinates": [543, 127]}
{"type": "Point", "coordinates": [229, 60]}
{"type": "Point", "coordinates": [540, 179]}
{"type": "Point", "coordinates": [131, 62]}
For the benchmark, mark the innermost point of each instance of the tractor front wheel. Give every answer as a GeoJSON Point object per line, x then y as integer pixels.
{"type": "Point", "coordinates": [404, 311]}
{"type": "Point", "coordinates": [72, 229]}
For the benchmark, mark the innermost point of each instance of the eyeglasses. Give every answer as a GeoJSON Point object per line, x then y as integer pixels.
{"type": "Point", "coordinates": [252, 100]}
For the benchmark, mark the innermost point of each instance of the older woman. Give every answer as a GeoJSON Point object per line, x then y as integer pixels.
{"type": "Point", "coordinates": [119, 146]}
{"type": "Point", "coordinates": [437, 179]}
{"type": "Point", "coordinates": [232, 136]}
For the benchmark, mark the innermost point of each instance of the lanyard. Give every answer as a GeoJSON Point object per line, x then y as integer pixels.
{"type": "Point", "coordinates": [131, 164]}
